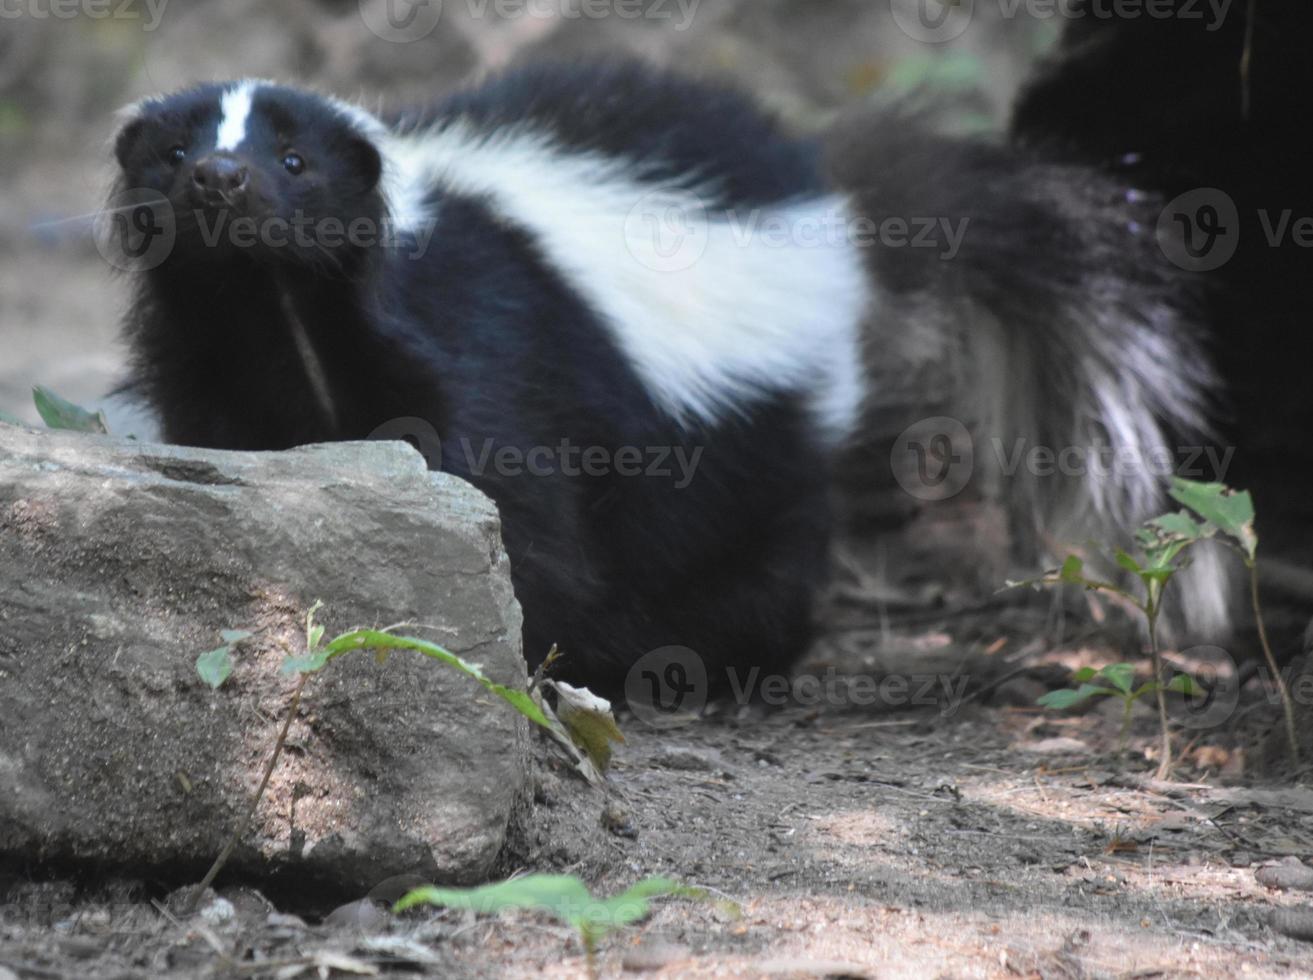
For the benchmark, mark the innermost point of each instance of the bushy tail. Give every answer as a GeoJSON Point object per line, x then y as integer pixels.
{"type": "Point", "coordinates": [1067, 337]}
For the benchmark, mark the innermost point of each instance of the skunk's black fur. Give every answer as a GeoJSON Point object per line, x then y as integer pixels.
{"type": "Point", "coordinates": [1061, 323]}
{"type": "Point", "coordinates": [483, 339]}
{"type": "Point", "coordinates": [494, 337]}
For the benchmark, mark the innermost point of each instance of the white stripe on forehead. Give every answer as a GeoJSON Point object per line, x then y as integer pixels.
{"type": "Point", "coordinates": [235, 109]}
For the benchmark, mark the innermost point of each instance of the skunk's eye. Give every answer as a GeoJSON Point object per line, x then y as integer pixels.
{"type": "Point", "coordinates": [293, 163]}
{"type": "Point", "coordinates": [177, 154]}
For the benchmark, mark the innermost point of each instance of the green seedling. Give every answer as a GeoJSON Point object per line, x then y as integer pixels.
{"type": "Point", "coordinates": [1216, 512]}
{"type": "Point", "coordinates": [1114, 681]}
{"type": "Point", "coordinates": [565, 897]}
{"type": "Point", "coordinates": [587, 715]}
{"type": "Point", "coordinates": [59, 413]}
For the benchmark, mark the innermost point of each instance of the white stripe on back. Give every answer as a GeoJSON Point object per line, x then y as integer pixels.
{"type": "Point", "coordinates": [766, 301]}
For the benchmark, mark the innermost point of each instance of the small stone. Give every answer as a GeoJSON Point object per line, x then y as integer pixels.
{"type": "Point", "coordinates": [1289, 875]}
{"type": "Point", "coordinates": [655, 956]}
{"type": "Point", "coordinates": [1297, 923]}
{"type": "Point", "coordinates": [363, 916]}
{"type": "Point", "coordinates": [218, 912]}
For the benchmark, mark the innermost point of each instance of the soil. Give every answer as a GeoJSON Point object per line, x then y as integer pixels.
{"type": "Point", "coordinates": [959, 834]}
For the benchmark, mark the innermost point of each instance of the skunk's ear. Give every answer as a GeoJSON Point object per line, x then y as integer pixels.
{"type": "Point", "coordinates": [127, 140]}
{"type": "Point", "coordinates": [365, 162]}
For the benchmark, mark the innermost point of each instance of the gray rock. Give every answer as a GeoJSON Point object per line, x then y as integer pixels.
{"type": "Point", "coordinates": [121, 562]}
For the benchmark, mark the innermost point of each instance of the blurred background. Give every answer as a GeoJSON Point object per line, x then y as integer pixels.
{"type": "Point", "coordinates": [67, 65]}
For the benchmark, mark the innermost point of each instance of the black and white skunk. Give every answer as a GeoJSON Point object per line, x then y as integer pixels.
{"type": "Point", "coordinates": [630, 309]}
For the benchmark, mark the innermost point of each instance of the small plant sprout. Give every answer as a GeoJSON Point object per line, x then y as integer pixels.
{"type": "Point", "coordinates": [565, 897]}
{"type": "Point", "coordinates": [587, 735]}
{"type": "Point", "coordinates": [58, 413]}
{"type": "Point", "coordinates": [1215, 512]}
{"type": "Point", "coordinates": [1114, 681]}
{"type": "Point", "coordinates": [1160, 543]}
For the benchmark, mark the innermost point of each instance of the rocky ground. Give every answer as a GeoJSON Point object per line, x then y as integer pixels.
{"type": "Point", "coordinates": [985, 839]}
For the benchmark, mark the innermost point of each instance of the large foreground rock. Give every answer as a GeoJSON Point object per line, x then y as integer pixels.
{"type": "Point", "coordinates": [121, 562]}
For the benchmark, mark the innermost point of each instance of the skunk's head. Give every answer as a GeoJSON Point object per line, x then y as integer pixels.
{"type": "Point", "coordinates": [257, 169]}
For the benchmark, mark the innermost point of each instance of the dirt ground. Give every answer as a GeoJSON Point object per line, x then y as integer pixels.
{"type": "Point", "coordinates": [950, 829]}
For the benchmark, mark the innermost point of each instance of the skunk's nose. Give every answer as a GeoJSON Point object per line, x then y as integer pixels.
{"type": "Point", "coordinates": [220, 178]}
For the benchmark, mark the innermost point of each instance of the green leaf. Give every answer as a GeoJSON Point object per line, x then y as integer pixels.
{"type": "Point", "coordinates": [309, 663]}
{"type": "Point", "coordinates": [563, 896]}
{"type": "Point", "coordinates": [233, 637]}
{"type": "Point", "coordinates": [1230, 510]}
{"type": "Point", "coordinates": [378, 640]}
{"type": "Point", "coordinates": [589, 721]}
{"type": "Point", "coordinates": [59, 413]}
{"type": "Point", "coordinates": [1182, 527]}
{"type": "Point", "coordinates": [1072, 570]}
{"type": "Point", "coordinates": [1120, 676]}
{"type": "Point", "coordinates": [215, 666]}
{"type": "Point", "coordinates": [1127, 562]}
{"type": "Point", "coordinates": [1084, 674]}
{"type": "Point", "coordinates": [1185, 684]}
{"type": "Point", "coordinates": [1067, 698]}
{"type": "Point", "coordinates": [313, 634]}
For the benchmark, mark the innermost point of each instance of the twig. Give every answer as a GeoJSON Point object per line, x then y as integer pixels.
{"type": "Point", "coordinates": [245, 822]}
{"type": "Point", "coordinates": [1287, 706]}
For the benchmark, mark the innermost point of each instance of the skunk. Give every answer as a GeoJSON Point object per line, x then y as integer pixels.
{"type": "Point", "coordinates": [626, 305]}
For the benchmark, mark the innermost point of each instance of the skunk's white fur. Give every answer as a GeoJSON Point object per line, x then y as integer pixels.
{"type": "Point", "coordinates": [707, 334]}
